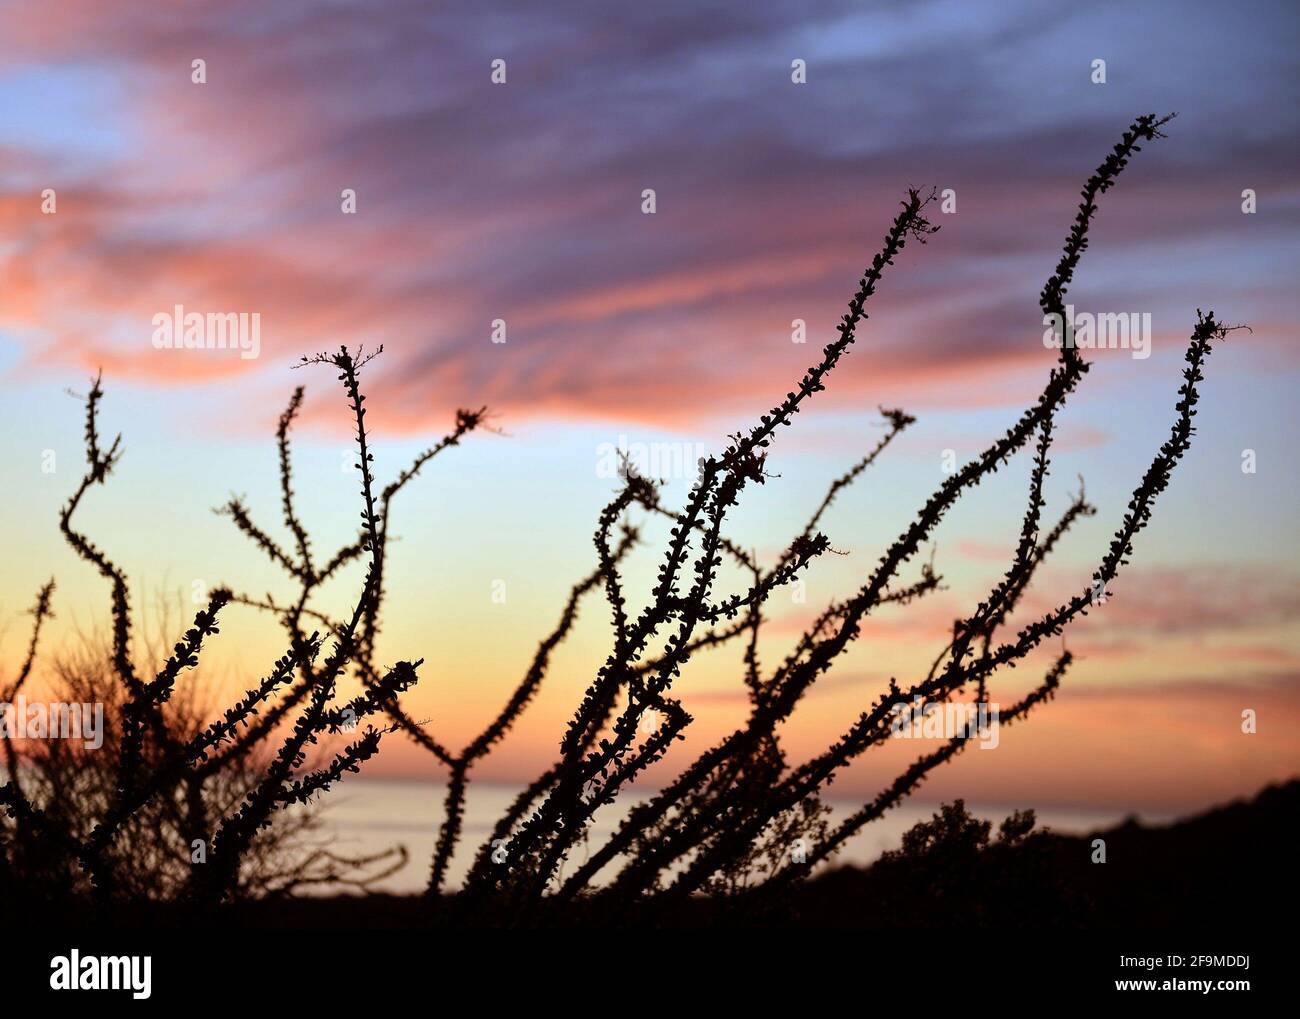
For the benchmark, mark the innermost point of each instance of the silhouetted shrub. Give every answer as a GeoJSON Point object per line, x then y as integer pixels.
{"type": "Point", "coordinates": [729, 822]}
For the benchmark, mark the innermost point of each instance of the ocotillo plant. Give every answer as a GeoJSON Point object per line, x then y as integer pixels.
{"type": "Point", "coordinates": [726, 823]}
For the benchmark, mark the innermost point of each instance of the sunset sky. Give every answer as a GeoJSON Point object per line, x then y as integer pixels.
{"type": "Point", "coordinates": [522, 202]}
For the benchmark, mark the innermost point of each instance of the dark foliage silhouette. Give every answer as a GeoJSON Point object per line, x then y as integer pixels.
{"type": "Point", "coordinates": [726, 825]}
{"type": "Point", "coordinates": [166, 760]}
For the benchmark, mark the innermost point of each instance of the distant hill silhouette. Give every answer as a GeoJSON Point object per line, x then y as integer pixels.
{"type": "Point", "coordinates": [1230, 867]}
